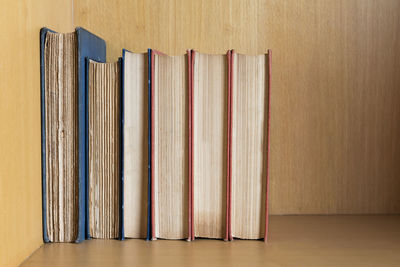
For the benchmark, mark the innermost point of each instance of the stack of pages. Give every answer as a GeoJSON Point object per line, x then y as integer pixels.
{"type": "Point", "coordinates": [152, 146]}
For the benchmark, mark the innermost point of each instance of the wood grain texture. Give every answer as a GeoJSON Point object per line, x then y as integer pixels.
{"type": "Point", "coordinates": [335, 145]}
{"type": "Point", "coordinates": [20, 169]}
{"type": "Point", "coordinates": [294, 241]}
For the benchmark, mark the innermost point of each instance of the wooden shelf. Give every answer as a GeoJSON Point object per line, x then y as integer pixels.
{"type": "Point", "coordinates": [359, 240]}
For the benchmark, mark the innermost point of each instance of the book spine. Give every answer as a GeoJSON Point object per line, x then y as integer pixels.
{"type": "Point", "coordinates": [91, 47]}
{"type": "Point", "coordinates": [87, 230]}
{"type": "Point", "coordinates": [153, 237]}
{"type": "Point", "coordinates": [43, 32]}
{"type": "Point", "coordinates": [229, 148]}
{"type": "Point", "coordinates": [121, 62]}
{"type": "Point", "coordinates": [149, 204]}
{"type": "Point", "coordinates": [190, 56]}
{"type": "Point", "coordinates": [268, 146]}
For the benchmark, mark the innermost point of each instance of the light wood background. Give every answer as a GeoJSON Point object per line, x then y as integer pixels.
{"type": "Point", "coordinates": [335, 126]}
{"type": "Point", "coordinates": [20, 169]}
{"type": "Point", "coordinates": [335, 134]}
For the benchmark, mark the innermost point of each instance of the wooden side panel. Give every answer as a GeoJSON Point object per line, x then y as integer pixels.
{"type": "Point", "coordinates": [20, 169]}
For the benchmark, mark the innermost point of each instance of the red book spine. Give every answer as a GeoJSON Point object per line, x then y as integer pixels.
{"type": "Point", "coordinates": [229, 143]}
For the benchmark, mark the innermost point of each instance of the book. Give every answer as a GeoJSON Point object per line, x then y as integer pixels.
{"type": "Point", "coordinates": [63, 142]}
{"type": "Point", "coordinates": [248, 145]}
{"type": "Point", "coordinates": [135, 145]}
{"type": "Point", "coordinates": [169, 146]}
{"type": "Point", "coordinates": [104, 156]}
{"type": "Point", "coordinates": [209, 106]}
{"type": "Point", "coordinates": [152, 146]}
{"type": "Point", "coordinates": [229, 145]}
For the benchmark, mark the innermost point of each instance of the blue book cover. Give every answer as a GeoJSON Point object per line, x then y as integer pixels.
{"type": "Point", "coordinates": [149, 203]}
{"type": "Point", "coordinates": [121, 195]}
{"type": "Point", "coordinates": [89, 46]}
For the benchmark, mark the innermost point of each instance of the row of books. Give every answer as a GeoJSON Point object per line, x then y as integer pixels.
{"type": "Point", "coordinates": [152, 146]}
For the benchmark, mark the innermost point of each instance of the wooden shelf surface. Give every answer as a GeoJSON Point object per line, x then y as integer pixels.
{"type": "Point", "coordinates": [360, 240]}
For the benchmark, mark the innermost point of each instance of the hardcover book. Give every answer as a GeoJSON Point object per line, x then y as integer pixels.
{"type": "Point", "coordinates": [170, 194]}
{"type": "Point", "coordinates": [63, 86]}
{"type": "Point", "coordinates": [209, 109]}
{"type": "Point", "coordinates": [135, 145]}
{"type": "Point", "coordinates": [153, 146]}
{"type": "Point", "coordinates": [248, 145]}
{"type": "Point", "coordinates": [104, 157]}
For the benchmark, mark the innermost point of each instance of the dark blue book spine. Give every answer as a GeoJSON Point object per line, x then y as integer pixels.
{"type": "Point", "coordinates": [121, 62]}
{"type": "Point", "coordinates": [149, 230]}
{"type": "Point", "coordinates": [92, 47]}
{"type": "Point", "coordinates": [87, 232]}
{"type": "Point", "coordinates": [43, 33]}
